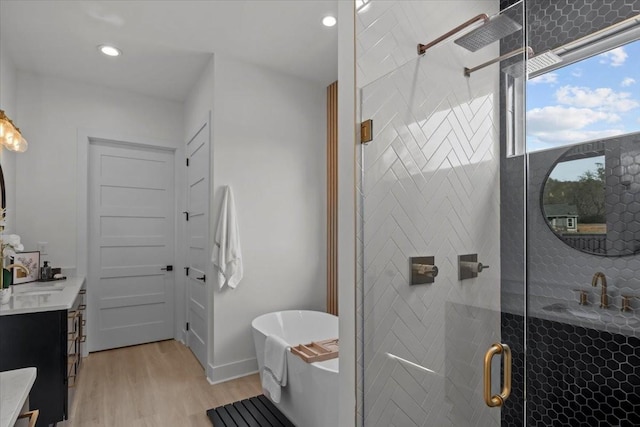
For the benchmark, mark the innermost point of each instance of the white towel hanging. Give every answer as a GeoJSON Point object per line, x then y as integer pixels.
{"type": "Point", "coordinates": [227, 256]}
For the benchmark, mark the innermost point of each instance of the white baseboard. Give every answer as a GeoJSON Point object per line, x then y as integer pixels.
{"type": "Point", "coordinates": [231, 371]}
{"type": "Point", "coordinates": [182, 336]}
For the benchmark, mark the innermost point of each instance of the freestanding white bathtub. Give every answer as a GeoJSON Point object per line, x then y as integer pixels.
{"type": "Point", "coordinates": [310, 398]}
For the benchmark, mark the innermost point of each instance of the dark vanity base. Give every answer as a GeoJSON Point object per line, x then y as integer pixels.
{"type": "Point", "coordinates": [576, 376]}
{"type": "Point", "coordinates": [39, 340]}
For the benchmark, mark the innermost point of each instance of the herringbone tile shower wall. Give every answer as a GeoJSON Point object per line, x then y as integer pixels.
{"type": "Point", "coordinates": [430, 186]}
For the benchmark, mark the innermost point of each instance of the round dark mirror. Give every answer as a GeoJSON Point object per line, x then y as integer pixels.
{"type": "Point", "coordinates": [591, 197]}
{"type": "Point", "coordinates": [3, 197]}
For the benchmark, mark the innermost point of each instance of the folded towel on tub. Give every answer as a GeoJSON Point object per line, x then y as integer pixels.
{"type": "Point", "coordinates": [274, 372]}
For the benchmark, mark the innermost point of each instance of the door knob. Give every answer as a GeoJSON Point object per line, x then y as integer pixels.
{"type": "Point", "coordinates": [167, 268]}
{"type": "Point", "coordinates": [203, 278]}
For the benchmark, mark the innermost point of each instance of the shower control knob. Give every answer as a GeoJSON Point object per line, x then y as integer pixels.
{"type": "Point", "coordinates": [469, 267]}
{"type": "Point", "coordinates": [425, 269]}
{"type": "Point", "coordinates": [474, 267]}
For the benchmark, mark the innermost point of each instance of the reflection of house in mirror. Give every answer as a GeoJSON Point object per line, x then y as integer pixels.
{"type": "Point", "coordinates": [563, 217]}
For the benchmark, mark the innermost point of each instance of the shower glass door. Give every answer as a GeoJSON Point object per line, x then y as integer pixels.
{"type": "Point", "coordinates": [430, 194]}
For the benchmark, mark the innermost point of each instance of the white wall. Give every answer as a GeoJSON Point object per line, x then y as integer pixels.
{"type": "Point", "coordinates": [8, 103]}
{"type": "Point", "coordinates": [199, 102]}
{"type": "Point", "coordinates": [51, 111]}
{"type": "Point", "coordinates": [269, 146]}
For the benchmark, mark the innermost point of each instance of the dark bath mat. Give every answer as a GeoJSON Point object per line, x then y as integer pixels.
{"type": "Point", "coordinates": [254, 412]}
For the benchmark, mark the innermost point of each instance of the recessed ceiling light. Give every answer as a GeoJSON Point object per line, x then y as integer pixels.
{"type": "Point", "coordinates": [109, 50]}
{"type": "Point", "coordinates": [329, 21]}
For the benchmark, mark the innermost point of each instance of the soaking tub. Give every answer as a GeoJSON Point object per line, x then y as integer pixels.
{"type": "Point", "coordinates": [310, 398]}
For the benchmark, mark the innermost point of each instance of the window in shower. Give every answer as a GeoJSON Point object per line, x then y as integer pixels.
{"type": "Point", "coordinates": [595, 97]}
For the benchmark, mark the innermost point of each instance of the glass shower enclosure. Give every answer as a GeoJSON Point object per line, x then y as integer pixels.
{"type": "Point", "coordinates": [431, 347]}
{"type": "Point", "coordinates": [465, 296]}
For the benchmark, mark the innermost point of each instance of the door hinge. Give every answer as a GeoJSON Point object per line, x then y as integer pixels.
{"type": "Point", "coordinates": [366, 131]}
{"type": "Point", "coordinates": [187, 162]}
{"type": "Point", "coordinates": [186, 215]}
{"type": "Point", "coordinates": [186, 271]}
{"type": "Point", "coordinates": [187, 326]}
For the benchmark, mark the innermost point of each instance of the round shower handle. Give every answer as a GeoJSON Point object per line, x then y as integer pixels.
{"type": "Point", "coordinates": [426, 269]}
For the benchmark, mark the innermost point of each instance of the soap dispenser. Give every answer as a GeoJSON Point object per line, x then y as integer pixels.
{"type": "Point", "coordinates": [45, 272]}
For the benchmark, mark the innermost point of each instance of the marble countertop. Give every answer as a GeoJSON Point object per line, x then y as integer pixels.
{"type": "Point", "coordinates": [37, 297]}
{"type": "Point", "coordinates": [590, 316]}
{"type": "Point", "coordinates": [14, 389]}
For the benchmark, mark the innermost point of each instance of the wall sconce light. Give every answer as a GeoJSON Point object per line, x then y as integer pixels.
{"type": "Point", "coordinates": [10, 136]}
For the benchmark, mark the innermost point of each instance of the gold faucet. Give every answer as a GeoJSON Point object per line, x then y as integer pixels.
{"type": "Point", "coordinates": [604, 299]}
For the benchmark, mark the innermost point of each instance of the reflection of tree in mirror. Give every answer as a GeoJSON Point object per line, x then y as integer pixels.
{"type": "Point", "coordinates": [586, 193]}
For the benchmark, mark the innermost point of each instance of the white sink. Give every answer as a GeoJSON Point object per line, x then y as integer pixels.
{"type": "Point", "coordinates": [584, 314]}
{"type": "Point", "coordinates": [603, 316]}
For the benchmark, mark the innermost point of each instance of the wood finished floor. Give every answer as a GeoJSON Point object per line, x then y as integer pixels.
{"type": "Point", "coordinates": [150, 385]}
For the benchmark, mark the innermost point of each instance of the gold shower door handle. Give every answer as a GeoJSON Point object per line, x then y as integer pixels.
{"type": "Point", "coordinates": [497, 399]}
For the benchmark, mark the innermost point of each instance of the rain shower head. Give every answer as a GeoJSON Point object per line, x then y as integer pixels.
{"type": "Point", "coordinates": [534, 64]}
{"type": "Point", "coordinates": [542, 61]}
{"type": "Point", "coordinates": [491, 31]}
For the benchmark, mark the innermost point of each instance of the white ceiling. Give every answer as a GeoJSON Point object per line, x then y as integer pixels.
{"type": "Point", "coordinates": [166, 43]}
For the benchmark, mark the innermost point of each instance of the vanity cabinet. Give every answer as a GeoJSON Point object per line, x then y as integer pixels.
{"type": "Point", "coordinates": [50, 341]}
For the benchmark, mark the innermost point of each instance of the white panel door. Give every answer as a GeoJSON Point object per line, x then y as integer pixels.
{"type": "Point", "coordinates": [198, 254]}
{"type": "Point", "coordinates": [131, 222]}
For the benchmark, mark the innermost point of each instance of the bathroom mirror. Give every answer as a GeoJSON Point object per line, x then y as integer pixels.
{"type": "Point", "coordinates": [591, 196]}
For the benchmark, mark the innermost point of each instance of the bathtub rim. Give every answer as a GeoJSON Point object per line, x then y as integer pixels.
{"type": "Point", "coordinates": [327, 365]}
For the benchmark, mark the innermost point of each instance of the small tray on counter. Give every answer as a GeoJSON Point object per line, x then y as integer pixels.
{"type": "Point", "coordinates": [317, 351]}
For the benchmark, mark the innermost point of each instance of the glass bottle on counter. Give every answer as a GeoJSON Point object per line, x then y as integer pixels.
{"type": "Point", "coordinates": [45, 272]}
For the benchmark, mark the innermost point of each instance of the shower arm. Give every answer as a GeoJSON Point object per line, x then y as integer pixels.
{"type": "Point", "coordinates": [422, 48]}
{"type": "Point", "coordinates": [527, 49]}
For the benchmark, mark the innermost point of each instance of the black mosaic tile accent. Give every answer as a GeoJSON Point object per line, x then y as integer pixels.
{"type": "Point", "coordinates": [554, 23]}
{"type": "Point", "coordinates": [512, 413]}
{"type": "Point", "coordinates": [622, 194]}
{"type": "Point", "coordinates": [576, 376]}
